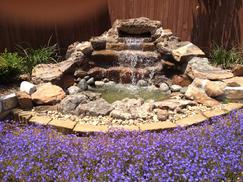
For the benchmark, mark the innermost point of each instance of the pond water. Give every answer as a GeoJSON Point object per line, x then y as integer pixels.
{"type": "Point", "coordinates": [120, 92]}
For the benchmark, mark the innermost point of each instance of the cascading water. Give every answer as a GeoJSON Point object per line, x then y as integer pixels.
{"type": "Point", "coordinates": [133, 43]}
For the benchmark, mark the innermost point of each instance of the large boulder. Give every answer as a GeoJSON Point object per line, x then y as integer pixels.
{"type": "Point", "coordinates": [53, 73]}
{"type": "Point", "coordinates": [48, 94]}
{"type": "Point", "coordinates": [197, 93]}
{"type": "Point", "coordinates": [199, 67]}
{"type": "Point", "coordinates": [97, 107]}
{"type": "Point", "coordinates": [189, 49]}
{"type": "Point", "coordinates": [138, 26]}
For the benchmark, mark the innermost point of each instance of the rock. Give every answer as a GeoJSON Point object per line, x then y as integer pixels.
{"type": "Point", "coordinates": [91, 81]}
{"type": "Point", "coordinates": [27, 87]}
{"type": "Point", "coordinates": [182, 80]}
{"type": "Point", "coordinates": [98, 43]}
{"type": "Point", "coordinates": [137, 26]}
{"type": "Point", "coordinates": [99, 83]}
{"type": "Point", "coordinates": [200, 68]}
{"type": "Point", "coordinates": [83, 84]}
{"type": "Point", "coordinates": [97, 73]}
{"type": "Point", "coordinates": [162, 115]}
{"type": "Point", "coordinates": [142, 83]}
{"type": "Point", "coordinates": [8, 102]}
{"type": "Point", "coordinates": [196, 92]}
{"type": "Point", "coordinates": [73, 90]}
{"type": "Point", "coordinates": [92, 95]}
{"type": "Point", "coordinates": [106, 80]}
{"type": "Point", "coordinates": [183, 90]}
{"type": "Point", "coordinates": [94, 108]}
{"type": "Point", "coordinates": [238, 70]}
{"type": "Point", "coordinates": [187, 50]}
{"type": "Point", "coordinates": [164, 87]}
{"type": "Point", "coordinates": [172, 104]}
{"type": "Point", "coordinates": [234, 82]}
{"type": "Point", "coordinates": [131, 109]}
{"type": "Point", "coordinates": [25, 77]}
{"type": "Point", "coordinates": [87, 77]}
{"type": "Point", "coordinates": [67, 81]}
{"type": "Point", "coordinates": [119, 46]}
{"type": "Point", "coordinates": [77, 48]}
{"type": "Point", "coordinates": [215, 88]}
{"type": "Point", "coordinates": [53, 73]}
{"type": "Point", "coordinates": [105, 58]}
{"type": "Point", "coordinates": [158, 79]}
{"type": "Point", "coordinates": [71, 102]}
{"type": "Point", "coordinates": [175, 88]}
{"type": "Point", "coordinates": [80, 73]}
{"type": "Point", "coordinates": [234, 93]}
{"type": "Point", "coordinates": [24, 100]}
{"type": "Point", "coordinates": [48, 94]}
{"type": "Point", "coordinates": [167, 45]}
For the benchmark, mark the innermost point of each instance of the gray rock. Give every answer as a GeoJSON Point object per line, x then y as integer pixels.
{"type": "Point", "coordinates": [87, 77]}
{"type": "Point", "coordinates": [175, 88]}
{"type": "Point", "coordinates": [183, 90]}
{"type": "Point", "coordinates": [83, 84]}
{"type": "Point", "coordinates": [91, 81]}
{"type": "Point", "coordinates": [73, 90]}
{"type": "Point", "coordinates": [8, 102]}
{"type": "Point", "coordinates": [162, 115]}
{"type": "Point", "coordinates": [142, 83]}
{"type": "Point", "coordinates": [99, 83]}
{"type": "Point", "coordinates": [94, 108]}
{"type": "Point", "coordinates": [27, 87]}
{"type": "Point", "coordinates": [69, 104]}
{"type": "Point", "coordinates": [164, 87]}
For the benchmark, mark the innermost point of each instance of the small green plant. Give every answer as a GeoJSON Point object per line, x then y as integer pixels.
{"type": "Point", "coordinates": [11, 65]}
{"type": "Point", "coordinates": [43, 55]}
{"type": "Point", "coordinates": [226, 58]}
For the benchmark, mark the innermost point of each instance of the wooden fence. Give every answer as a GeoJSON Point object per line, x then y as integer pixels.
{"type": "Point", "coordinates": [204, 22]}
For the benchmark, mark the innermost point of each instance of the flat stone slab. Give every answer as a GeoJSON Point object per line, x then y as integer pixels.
{"type": "Point", "coordinates": [65, 124]}
{"type": "Point", "coordinates": [85, 128]}
{"type": "Point", "coordinates": [157, 126]}
{"type": "Point", "coordinates": [125, 127]}
{"type": "Point", "coordinates": [232, 106]}
{"type": "Point", "coordinates": [213, 113]}
{"type": "Point", "coordinates": [191, 120]}
{"type": "Point", "coordinates": [41, 120]}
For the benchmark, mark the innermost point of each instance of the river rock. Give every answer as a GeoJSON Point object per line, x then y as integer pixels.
{"type": "Point", "coordinates": [97, 107]}
{"type": "Point", "coordinates": [199, 67]}
{"type": "Point", "coordinates": [142, 83]}
{"type": "Point", "coordinates": [164, 87]}
{"type": "Point", "coordinates": [83, 84]}
{"type": "Point", "coordinates": [99, 83]}
{"type": "Point", "coordinates": [175, 88]}
{"type": "Point", "coordinates": [162, 115]}
{"type": "Point", "coordinates": [197, 92]}
{"type": "Point", "coordinates": [48, 94]}
{"type": "Point", "coordinates": [91, 81]}
{"type": "Point", "coordinates": [27, 87]}
{"type": "Point", "coordinates": [73, 90]}
{"type": "Point", "coordinates": [24, 100]}
{"type": "Point", "coordinates": [70, 103]}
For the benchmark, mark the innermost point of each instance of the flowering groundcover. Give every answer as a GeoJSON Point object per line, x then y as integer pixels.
{"type": "Point", "coordinates": [210, 152]}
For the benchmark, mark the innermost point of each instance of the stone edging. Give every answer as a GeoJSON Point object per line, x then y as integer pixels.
{"type": "Point", "coordinates": [77, 127]}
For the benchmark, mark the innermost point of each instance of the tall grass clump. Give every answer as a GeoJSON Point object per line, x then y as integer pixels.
{"type": "Point", "coordinates": [11, 65]}
{"type": "Point", "coordinates": [226, 57]}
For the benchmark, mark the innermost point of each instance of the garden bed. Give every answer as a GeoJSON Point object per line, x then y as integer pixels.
{"type": "Point", "coordinates": [210, 152]}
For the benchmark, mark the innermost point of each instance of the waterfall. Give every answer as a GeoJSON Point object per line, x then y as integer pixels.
{"type": "Point", "coordinates": [134, 43]}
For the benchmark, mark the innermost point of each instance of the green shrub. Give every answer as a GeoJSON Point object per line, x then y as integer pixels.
{"type": "Point", "coordinates": [226, 58]}
{"type": "Point", "coordinates": [32, 57]}
{"type": "Point", "coordinates": [11, 65]}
